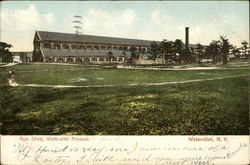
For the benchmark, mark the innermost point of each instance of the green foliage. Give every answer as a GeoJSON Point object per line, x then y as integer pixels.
{"type": "Point", "coordinates": [244, 47]}
{"type": "Point", "coordinates": [168, 49]}
{"type": "Point", "coordinates": [155, 50]}
{"type": "Point", "coordinates": [236, 52]}
{"type": "Point", "coordinates": [225, 46]}
{"type": "Point", "coordinates": [214, 50]}
{"type": "Point", "coordinates": [218, 50]}
{"type": "Point", "coordinates": [244, 44]}
{"type": "Point", "coordinates": [5, 54]}
{"type": "Point", "coordinates": [200, 53]}
{"type": "Point", "coordinates": [178, 46]}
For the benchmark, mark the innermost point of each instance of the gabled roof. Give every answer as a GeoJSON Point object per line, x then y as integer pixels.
{"type": "Point", "coordinates": [67, 37]}
{"type": "Point", "coordinates": [55, 36]}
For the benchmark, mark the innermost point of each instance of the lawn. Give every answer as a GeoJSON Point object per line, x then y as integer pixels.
{"type": "Point", "coordinates": [102, 76]}
{"type": "Point", "coordinates": [32, 67]}
{"type": "Point", "coordinates": [208, 107]}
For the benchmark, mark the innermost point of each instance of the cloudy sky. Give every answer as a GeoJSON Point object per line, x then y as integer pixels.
{"type": "Point", "coordinates": [149, 20]}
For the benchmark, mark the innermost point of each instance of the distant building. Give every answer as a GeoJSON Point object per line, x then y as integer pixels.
{"type": "Point", "coordinates": [21, 57]}
{"type": "Point", "coordinates": [16, 59]}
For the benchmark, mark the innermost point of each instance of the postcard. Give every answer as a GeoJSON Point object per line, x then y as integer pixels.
{"type": "Point", "coordinates": [124, 82]}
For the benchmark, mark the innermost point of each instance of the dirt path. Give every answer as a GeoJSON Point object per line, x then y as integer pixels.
{"type": "Point", "coordinates": [14, 84]}
{"type": "Point", "coordinates": [9, 64]}
{"type": "Point", "coordinates": [183, 69]}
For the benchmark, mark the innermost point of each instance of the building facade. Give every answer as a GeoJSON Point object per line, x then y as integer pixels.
{"type": "Point", "coordinates": [72, 48]}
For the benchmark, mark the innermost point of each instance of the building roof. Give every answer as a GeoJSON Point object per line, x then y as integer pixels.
{"type": "Point", "coordinates": [67, 37]}
{"type": "Point", "coordinates": [76, 53]}
{"type": "Point", "coordinates": [55, 36]}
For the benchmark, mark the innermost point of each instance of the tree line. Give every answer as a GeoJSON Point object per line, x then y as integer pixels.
{"type": "Point", "coordinates": [172, 51]}
{"type": "Point", "coordinates": [176, 52]}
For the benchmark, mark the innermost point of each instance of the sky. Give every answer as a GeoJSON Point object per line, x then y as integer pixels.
{"type": "Point", "coordinates": [150, 20]}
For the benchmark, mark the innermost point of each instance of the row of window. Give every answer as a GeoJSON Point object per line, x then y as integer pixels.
{"type": "Point", "coordinates": [78, 60]}
{"type": "Point", "coordinates": [89, 47]}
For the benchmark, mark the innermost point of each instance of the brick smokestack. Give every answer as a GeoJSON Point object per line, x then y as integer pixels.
{"type": "Point", "coordinates": [187, 38]}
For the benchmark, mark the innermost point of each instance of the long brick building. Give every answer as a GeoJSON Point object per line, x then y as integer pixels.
{"type": "Point", "coordinates": [72, 48]}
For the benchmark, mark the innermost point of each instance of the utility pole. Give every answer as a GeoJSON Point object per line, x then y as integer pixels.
{"type": "Point", "coordinates": [77, 24]}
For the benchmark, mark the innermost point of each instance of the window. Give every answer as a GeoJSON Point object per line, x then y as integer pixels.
{"type": "Point", "coordinates": [114, 59]}
{"type": "Point", "coordinates": [142, 49]}
{"type": "Point", "coordinates": [74, 46]}
{"type": "Point", "coordinates": [78, 60]}
{"type": "Point", "coordinates": [82, 47]}
{"type": "Point", "coordinates": [107, 59]}
{"type": "Point", "coordinates": [89, 47]}
{"type": "Point", "coordinates": [50, 60]}
{"type": "Point", "coordinates": [96, 48]}
{"type": "Point", "coordinates": [56, 46]}
{"type": "Point", "coordinates": [46, 45]}
{"type": "Point", "coordinates": [60, 60]}
{"type": "Point", "coordinates": [86, 59]}
{"type": "Point", "coordinates": [101, 59]}
{"type": "Point", "coordinates": [65, 46]}
{"type": "Point", "coordinates": [120, 59]}
{"type": "Point", "coordinates": [69, 60]}
{"type": "Point", "coordinates": [93, 59]}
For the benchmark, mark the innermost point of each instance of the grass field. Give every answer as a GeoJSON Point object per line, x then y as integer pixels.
{"type": "Point", "coordinates": [88, 76]}
{"type": "Point", "coordinates": [208, 107]}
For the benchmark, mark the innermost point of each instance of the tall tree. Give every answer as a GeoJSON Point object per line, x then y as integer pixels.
{"type": "Point", "coordinates": [225, 47]}
{"type": "Point", "coordinates": [208, 53]}
{"type": "Point", "coordinates": [167, 49]}
{"type": "Point", "coordinates": [214, 50]}
{"type": "Point", "coordinates": [5, 53]}
{"type": "Point", "coordinates": [178, 49]}
{"type": "Point", "coordinates": [193, 55]}
{"type": "Point", "coordinates": [154, 50]}
{"type": "Point", "coordinates": [244, 47]}
{"type": "Point", "coordinates": [236, 52]}
{"type": "Point", "coordinates": [199, 50]}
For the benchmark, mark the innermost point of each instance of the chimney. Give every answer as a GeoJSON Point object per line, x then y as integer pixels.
{"type": "Point", "coordinates": [187, 38]}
